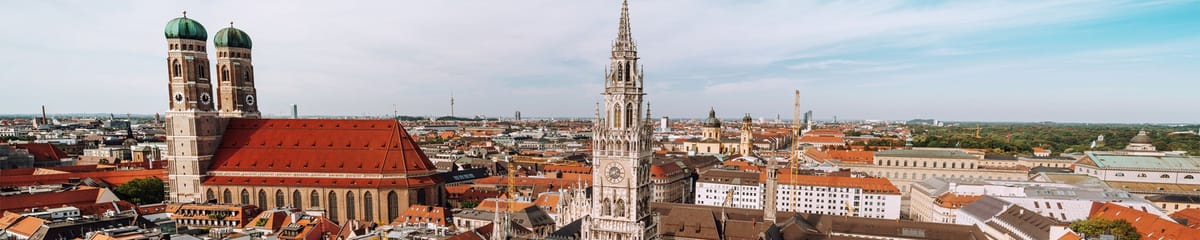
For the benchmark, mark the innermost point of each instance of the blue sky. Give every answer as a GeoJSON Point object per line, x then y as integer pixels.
{"type": "Point", "coordinates": [1069, 61]}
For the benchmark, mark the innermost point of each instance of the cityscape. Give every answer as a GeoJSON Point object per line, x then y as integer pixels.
{"type": "Point", "coordinates": [740, 151]}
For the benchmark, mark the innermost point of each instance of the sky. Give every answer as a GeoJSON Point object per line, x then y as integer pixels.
{"type": "Point", "coordinates": [1065, 61]}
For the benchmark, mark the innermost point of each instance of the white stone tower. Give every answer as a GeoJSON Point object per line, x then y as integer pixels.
{"type": "Point", "coordinates": [235, 75]}
{"type": "Point", "coordinates": [192, 124]}
{"type": "Point", "coordinates": [621, 153]}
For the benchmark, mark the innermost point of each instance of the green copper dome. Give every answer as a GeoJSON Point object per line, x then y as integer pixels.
{"type": "Point", "coordinates": [712, 120]}
{"type": "Point", "coordinates": [186, 28]}
{"type": "Point", "coordinates": [232, 37]}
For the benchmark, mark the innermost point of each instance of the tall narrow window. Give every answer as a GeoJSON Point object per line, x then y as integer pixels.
{"type": "Point", "coordinates": [224, 73]}
{"type": "Point", "coordinates": [202, 71]}
{"type": "Point", "coordinates": [617, 116]}
{"type": "Point", "coordinates": [279, 198]}
{"type": "Point", "coordinates": [245, 196]}
{"type": "Point", "coordinates": [350, 206]}
{"type": "Point", "coordinates": [393, 205]}
{"type": "Point", "coordinates": [296, 199]}
{"type": "Point", "coordinates": [177, 68]}
{"type": "Point", "coordinates": [629, 114]}
{"type": "Point", "coordinates": [314, 199]}
{"type": "Point", "coordinates": [228, 197]}
{"type": "Point", "coordinates": [210, 196]}
{"type": "Point", "coordinates": [368, 207]}
{"type": "Point", "coordinates": [332, 206]}
{"type": "Point", "coordinates": [262, 199]}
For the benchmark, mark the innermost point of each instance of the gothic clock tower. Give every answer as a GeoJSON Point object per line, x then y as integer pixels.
{"type": "Point", "coordinates": [621, 149]}
{"type": "Point", "coordinates": [192, 124]}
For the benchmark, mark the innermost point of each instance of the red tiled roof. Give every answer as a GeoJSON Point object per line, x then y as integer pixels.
{"type": "Point", "coordinates": [864, 157]}
{"type": "Point", "coordinates": [408, 182]}
{"type": "Point", "coordinates": [424, 214]}
{"type": "Point", "coordinates": [548, 202]}
{"type": "Point", "coordinates": [1191, 214]}
{"type": "Point", "coordinates": [319, 146]}
{"type": "Point", "coordinates": [664, 170]}
{"type": "Point", "coordinates": [42, 151]}
{"type": "Point", "coordinates": [27, 226]}
{"type": "Point", "coordinates": [112, 177]}
{"type": "Point", "coordinates": [814, 139]}
{"type": "Point", "coordinates": [1150, 226]}
{"type": "Point", "coordinates": [568, 169]}
{"type": "Point", "coordinates": [868, 185]}
{"type": "Point", "coordinates": [21, 202]}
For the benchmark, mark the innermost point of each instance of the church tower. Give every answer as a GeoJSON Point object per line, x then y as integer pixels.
{"type": "Point", "coordinates": [747, 138]}
{"type": "Point", "coordinates": [711, 128]}
{"type": "Point", "coordinates": [235, 75]}
{"type": "Point", "coordinates": [192, 123]}
{"type": "Point", "coordinates": [621, 154]}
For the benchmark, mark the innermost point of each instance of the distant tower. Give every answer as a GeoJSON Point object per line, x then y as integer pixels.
{"type": "Point", "coordinates": [518, 117]}
{"type": "Point", "coordinates": [621, 184]}
{"type": "Point", "coordinates": [295, 111]}
{"type": "Point", "coordinates": [235, 90]}
{"type": "Point", "coordinates": [451, 104]}
{"type": "Point", "coordinates": [664, 124]}
{"type": "Point", "coordinates": [747, 138]}
{"type": "Point", "coordinates": [192, 123]}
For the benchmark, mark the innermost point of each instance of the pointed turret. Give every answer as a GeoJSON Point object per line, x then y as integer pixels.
{"type": "Point", "coordinates": [624, 40]}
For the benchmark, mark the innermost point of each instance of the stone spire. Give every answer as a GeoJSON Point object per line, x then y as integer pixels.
{"type": "Point", "coordinates": [624, 40]}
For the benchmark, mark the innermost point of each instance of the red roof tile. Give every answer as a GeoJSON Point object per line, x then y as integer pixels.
{"type": "Point", "coordinates": [42, 151]}
{"type": "Point", "coordinates": [408, 182]}
{"type": "Point", "coordinates": [22, 202]}
{"type": "Point", "coordinates": [319, 146]}
{"type": "Point", "coordinates": [1150, 226]}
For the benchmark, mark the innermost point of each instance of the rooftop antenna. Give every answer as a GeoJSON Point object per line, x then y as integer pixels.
{"type": "Point", "coordinates": [451, 103]}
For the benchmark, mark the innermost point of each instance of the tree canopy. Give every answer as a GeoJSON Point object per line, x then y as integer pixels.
{"type": "Point", "coordinates": [142, 191]}
{"type": "Point", "coordinates": [1095, 227]}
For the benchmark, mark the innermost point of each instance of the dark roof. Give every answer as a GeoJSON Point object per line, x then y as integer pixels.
{"type": "Point", "coordinates": [1028, 222]}
{"type": "Point", "coordinates": [703, 222]}
{"type": "Point", "coordinates": [985, 207]}
{"type": "Point", "coordinates": [569, 231]}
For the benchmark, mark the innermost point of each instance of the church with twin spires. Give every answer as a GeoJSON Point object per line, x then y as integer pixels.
{"type": "Point", "coordinates": [220, 150]}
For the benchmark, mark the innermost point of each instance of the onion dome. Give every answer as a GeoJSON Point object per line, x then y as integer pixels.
{"type": "Point", "coordinates": [747, 118]}
{"type": "Point", "coordinates": [185, 28]}
{"type": "Point", "coordinates": [232, 37]}
{"type": "Point", "coordinates": [712, 120]}
{"type": "Point", "coordinates": [1141, 138]}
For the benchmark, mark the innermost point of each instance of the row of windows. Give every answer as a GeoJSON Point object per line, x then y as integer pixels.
{"type": "Point", "coordinates": [235, 54]}
{"type": "Point", "coordinates": [1142, 175]}
{"type": "Point", "coordinates": [186, 47]}
{"type": "Point", "coordinates": [905, 163]}
{"type": "Point", "coordinates": [368, 202]}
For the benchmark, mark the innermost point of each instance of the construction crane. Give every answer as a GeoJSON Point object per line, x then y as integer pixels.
{"type": "Point", "coordinates": [977, 130]}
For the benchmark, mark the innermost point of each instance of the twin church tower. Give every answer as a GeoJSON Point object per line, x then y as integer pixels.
{"type": "Point", "coordinates": [194, 119]}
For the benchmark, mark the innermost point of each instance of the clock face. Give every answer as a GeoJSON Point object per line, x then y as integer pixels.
{"type": "Point", "coordinates": [178, 97]}
{"type": "Point", "coordinates": [205, 98]}
{"type": "Point", "coordinates": [250, 100]}
{"type": "Point", "coordinates": [614, 173]}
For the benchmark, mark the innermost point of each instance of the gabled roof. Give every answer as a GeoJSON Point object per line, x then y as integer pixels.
{"type": "Point", "coordinates": [42, 151]}
{"type": "Point", "coordinates": [319, 146]}
{"type": "Point", "coordinates": [1150, 226]}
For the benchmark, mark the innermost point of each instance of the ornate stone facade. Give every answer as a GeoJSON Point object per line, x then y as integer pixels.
{"type": "Point", "coordinates": [622, 151]}
{"type": "Point", "coordinates": [193, 129]}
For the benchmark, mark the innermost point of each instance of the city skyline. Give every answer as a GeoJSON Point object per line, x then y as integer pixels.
{"type": "Point", "coordinates": [1077, 60]}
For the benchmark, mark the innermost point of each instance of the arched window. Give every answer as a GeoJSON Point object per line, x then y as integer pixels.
{"type": "Point", "coordinates": [368, 206]}
{"type": "Point", "coordinates": [228, 197]}
{"type": "Point", "coordinates": [279, 198]}
{"type": "Point", "coordinates": [176, 68]}
{"type": "Point", "coordinates": [210, 196]}
{"type": "Point", "coordinates": [620, 207]}
{"type": "Point", "coordinates": [262, 199]}
{"type": "Point", "coordinates": [314, 199]}
{"type": "Point", "coordinates": [296, 199]}
{"type": "Point", "coordinates": [1189, 177]}
{"type": "Point", "coordinates": [617, 115]}
{"type": "Point", "coordinates": [224, 73]}
{"type": "Point", "coordinates": [1165, 176]}
{"type": "Point", "coordinates": [245, 196]}
{"type": "Point", "coordinates": [1119, 174]}
{"type": "Point", "coordinates": [246, 76]}
{"type": "Point", "coordinates": [350, 206]}
{"type": "Point", "coordinates": [202, 71]}
{"type": "Point", "coordinates": [393, 205]}
{"type": "Point", "coordinates": [605, 207]}
{"type": "Point", "coordinates": [627, 76]}
{"type": "Point", "coordinates": [332, 208]}
{"type": "Point", "coordinates": [629, 114]}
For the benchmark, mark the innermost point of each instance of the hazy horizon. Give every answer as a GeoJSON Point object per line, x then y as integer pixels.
{"type": "Point", "coordinates": [1060, 61]}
